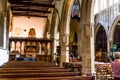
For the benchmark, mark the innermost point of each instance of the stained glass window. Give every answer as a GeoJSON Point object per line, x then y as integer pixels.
{"type": "Point", "coordinates": [76, 9]}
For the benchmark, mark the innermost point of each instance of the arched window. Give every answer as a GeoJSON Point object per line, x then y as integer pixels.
{"type": "Point", "coordinates": [101, 40]}
{"type": "Point", "coordinates": [117, 36]}
{"type": "Point", "coordinates": [76, 10]}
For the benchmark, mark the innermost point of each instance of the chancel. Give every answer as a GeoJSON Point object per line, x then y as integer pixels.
{"type": "Point", "coordinates": [31, 48]}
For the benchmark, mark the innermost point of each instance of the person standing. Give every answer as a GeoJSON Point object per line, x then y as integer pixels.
{"type": "Point", "coordinates": [116, 66]}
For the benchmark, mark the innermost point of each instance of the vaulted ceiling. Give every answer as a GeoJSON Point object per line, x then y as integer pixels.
{"type": "Point", "coordinates": [31, 8]}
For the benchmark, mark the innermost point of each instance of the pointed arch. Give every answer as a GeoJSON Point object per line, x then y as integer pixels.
{"type": "Point", "coordinates": [100, 39]}
{"type": "Point", "coordinates": [114, 33]}
{"type": "Point", "coordinates": [112, 28]}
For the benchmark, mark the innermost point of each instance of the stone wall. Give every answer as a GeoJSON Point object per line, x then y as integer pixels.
{"type": "Point", "coordinates": [1, 23]}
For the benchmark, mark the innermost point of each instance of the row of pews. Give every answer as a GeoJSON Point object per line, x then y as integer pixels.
{"type": "Point", "coordinates": [38, 70]}
{"type": "Point", "coordinates": [103, 70]}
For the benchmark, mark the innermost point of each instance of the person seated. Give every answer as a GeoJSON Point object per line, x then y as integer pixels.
{"type": "Point", "coordinates": [116, 67]}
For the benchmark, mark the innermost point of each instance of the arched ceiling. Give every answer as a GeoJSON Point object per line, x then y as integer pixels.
{"type": "Point", "coordinates": [34, 8]}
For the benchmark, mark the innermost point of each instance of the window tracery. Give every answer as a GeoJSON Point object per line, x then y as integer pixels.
{"type": "Point", "coordinates": [76, 10]}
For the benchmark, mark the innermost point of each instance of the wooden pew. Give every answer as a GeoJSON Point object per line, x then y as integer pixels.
{"type": "Point", "coordinates": [54, 78]}
{"type": "Point", "coordinates": [73, 65]}
{"type": "Point", "coordinates": [29, 75]}
{"type": "Point", "coordinates": [29, 64]}
{"type": "Point", "coordinates": [19, 70]}
{"type": "Point", "coordinates": [29, 68]}
{"type": "Point", "coordinates": [33, 70]}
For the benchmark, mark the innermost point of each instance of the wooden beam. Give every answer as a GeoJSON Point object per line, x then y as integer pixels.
{"type": "Point", "coordinates": [28, 15]}
{"type": "Point", "coordinates": [29, 10]}
{"type": "Point", "coordinates": [31, 4]}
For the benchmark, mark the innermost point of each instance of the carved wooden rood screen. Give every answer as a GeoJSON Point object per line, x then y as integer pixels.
{"type": "Point", "coordinates": [39, 49]}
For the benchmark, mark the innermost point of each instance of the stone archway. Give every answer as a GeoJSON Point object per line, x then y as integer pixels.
{"type": "Point", "coordinates": [85, 33]}
{"type": "Point", "coordinates": [113, 31]}
{"type": "Point", "coordinates": [86, 28]}
{"type": "Point", "coordinates": [54, 31]}
{"type": "Point", "coordinates": [112, 28]}
{"type": "Point", "coordinates": [64, 30]}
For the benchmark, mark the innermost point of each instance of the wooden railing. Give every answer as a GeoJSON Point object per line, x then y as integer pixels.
{"type": "Point", "coordinates": [40, 47]}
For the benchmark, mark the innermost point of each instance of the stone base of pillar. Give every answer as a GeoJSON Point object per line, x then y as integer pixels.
{"type": "Point", "coordinates": [86, 71]}
{"type": "Point", "coordinates": [64, 58]}
{"type": "Point", "coordinates": [89, 74]}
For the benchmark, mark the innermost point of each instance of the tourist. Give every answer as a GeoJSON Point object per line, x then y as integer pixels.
{"type": "Point", "coordinates": [116, 66]}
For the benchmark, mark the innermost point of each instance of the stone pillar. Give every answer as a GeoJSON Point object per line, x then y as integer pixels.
{"type": "Point", "coordinates": [5, 32]}
{"type": "Point", "coordinates": [64, 50]}
{"type": "Point", "coordinates": [67, 47]}
{"type": "Point", "coordinates": [5, 25]}
{"type": "Point", "coordinates": [1, 24]}
{"type": "Point", "coordinates": [64, 30]}
{"type": "Point", "coordinates": [79, 50]}
{"type": "Point", "coordinates": [86, 47]}
{"type": "Point", "coordinates": [108, 44]}
{"type": "Point", "coordinates": [92, 50]}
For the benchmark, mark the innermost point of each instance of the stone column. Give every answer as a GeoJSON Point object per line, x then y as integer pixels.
{"type": "Point", "coordinates": [64, 50]}
{"type": "Point", "coordinates": [86, 47]}
{"type": "Point", "coordinates": [1, 24]}
{"type": "Point", "coordinates": [92, 50]}
{"type": "Point", "coordinates": [108, 43]}
{"type": "Point", "coordinates": [64, 30]}
{"type": "Point", "coordinates": [5, 36]}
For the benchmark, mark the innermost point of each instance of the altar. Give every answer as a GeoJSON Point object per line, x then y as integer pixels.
{"type": "Point", "coordinates": [25, 59]}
